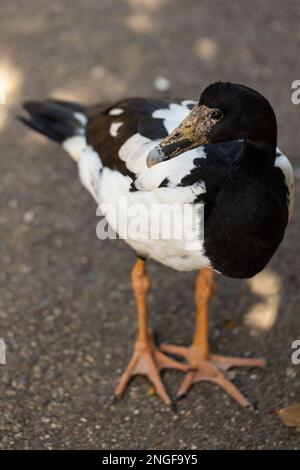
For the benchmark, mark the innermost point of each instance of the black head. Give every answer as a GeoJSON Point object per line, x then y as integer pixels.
{"type": "Point", "coordinates": [226, 111]}
{"type": "Point", "coordinates": [244, 114]}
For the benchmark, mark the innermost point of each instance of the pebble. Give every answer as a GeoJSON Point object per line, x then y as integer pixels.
{"type": "Point", "coordinates": [162, 84]}
{"type": "Point", "coordinates": [231, 374]}
{"type": "Point", "coordinates": [28, 217]}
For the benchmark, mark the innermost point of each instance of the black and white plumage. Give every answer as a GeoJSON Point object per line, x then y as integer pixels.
{"type": "Point", "coordinates": [219, 158]}
{"type": "Point", "coordinates": [246, 203]}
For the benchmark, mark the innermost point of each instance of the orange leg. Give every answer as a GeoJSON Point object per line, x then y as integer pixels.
{"type": "Point", "coordinates": [147, 359]}
{"type": "Point", "coordinates": [204, 365]}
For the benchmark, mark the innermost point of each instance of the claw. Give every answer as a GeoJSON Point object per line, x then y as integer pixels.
{"type": "Point", "coordinates": [212, 369]}
{"type": "Point", "coordinates": [148, 361]}
{"type": "Point", "coordinates": [173, 406]}
{"type": "Point", "coordinates": [115, 399]}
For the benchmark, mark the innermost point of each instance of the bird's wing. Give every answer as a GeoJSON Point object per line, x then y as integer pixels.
{"type": "Point", "coordinates": [123, 134]}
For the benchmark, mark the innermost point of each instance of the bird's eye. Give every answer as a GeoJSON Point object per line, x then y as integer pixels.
{"type": "Point", "coordinates": [217, 114]}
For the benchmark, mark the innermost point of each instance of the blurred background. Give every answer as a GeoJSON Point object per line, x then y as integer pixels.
{"type": "Point", "coordinates": [66, 309]}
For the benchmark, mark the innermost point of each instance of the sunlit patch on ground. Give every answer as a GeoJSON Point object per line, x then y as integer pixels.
{"type": "Point", "coordinates": [10, 81]}
{"type": "Point", "coordinates": [2, 91]}
{"type": "Point", "coordinates": [150, 5]}
{"type": "Point", "coordinates": [206, 49]}
{"type": "Point", "coordinates": [140, 23]}
{"type": "Point", "coordinates": [3, 112]}
{"type": "Point", "coordinates": [262, 315]}
{"type": "Point", "coordinates": [141, 20]}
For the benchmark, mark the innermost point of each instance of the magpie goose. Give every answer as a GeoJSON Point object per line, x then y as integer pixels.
{"type": "Point", "coordinates": [219, 158]}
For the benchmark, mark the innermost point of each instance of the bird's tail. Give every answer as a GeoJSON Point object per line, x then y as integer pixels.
{"type": "Point", "coordinates": [61, 121]}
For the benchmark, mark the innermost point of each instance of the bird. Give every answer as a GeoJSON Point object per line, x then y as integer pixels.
{"type": "Point", "coordinates": [217, 157]}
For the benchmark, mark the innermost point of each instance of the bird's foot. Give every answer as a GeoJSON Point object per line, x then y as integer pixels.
{"type": "Point", "coordinates": [211, 368]}
{"type": "Point", "coordinates": [148, 360]}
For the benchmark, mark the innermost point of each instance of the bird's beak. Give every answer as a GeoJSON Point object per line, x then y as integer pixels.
{"type": "Point", "coordinates": [191, 133]}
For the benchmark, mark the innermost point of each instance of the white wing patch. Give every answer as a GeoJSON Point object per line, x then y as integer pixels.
{"type": "Point", "coordinates": [173, 115]}
{"type": "Point", "coordinates": [115, 126]}
{"type": "Point", "coordinates": [135, 150]}
{"type": "Point", "coordinates": [173, 170]}
{"type": "Point", "coordinates": [116, 112]}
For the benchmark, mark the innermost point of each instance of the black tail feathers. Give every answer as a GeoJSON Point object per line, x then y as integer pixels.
{"type": "Point", "coordinates": [56, 119]}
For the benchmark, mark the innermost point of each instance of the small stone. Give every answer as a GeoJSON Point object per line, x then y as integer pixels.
{"type": "Point", "coordinates": [28, 217]}
{"type": "Point", "coordinates": [231, 374]}
{"type": "Point", "coordinates": [162, 84]}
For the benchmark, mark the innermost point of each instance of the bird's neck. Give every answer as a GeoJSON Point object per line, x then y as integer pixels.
{"type": "Point", "coordinates": [257, 156]}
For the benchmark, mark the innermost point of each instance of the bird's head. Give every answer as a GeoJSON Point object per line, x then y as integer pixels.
{"type": "Point", "coordinates": [225, 112]}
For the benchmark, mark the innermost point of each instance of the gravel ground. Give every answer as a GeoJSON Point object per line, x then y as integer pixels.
{"type": "Point", "coordinates": [66, 308]}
